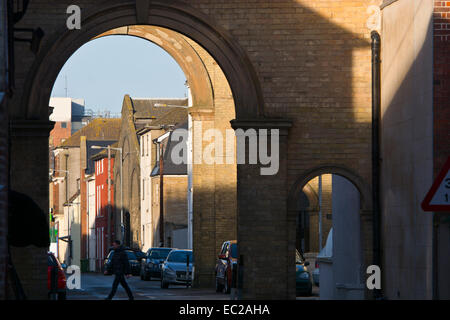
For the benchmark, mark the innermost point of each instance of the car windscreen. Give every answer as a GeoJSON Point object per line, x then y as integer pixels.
{"type": "Point", "coordinates": [180, 256]}
{"type": "Point", "coordinates": [110, 254]}
{"type": "Point", "coordinates": [50, 261]}
{"type": "Point", "coordinates": [131, 255]}
{"type": "Point", "coordinates": [159, 253]}
{"type": "Point", "coordinates": [234, 253]}
{"type": "Point", "coordinates": [298, 257]}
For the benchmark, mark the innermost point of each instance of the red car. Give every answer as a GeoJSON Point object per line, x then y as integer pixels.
{"type": "Point", "coordinates": [53, 264]}
{"type": "Point", "coordinates": [226, 263]}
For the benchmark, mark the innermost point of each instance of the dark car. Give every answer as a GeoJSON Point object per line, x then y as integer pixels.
{"type": "Point", "coordinates": [56, 279]}
{"type": "Point", "coordinates": [226, 263]}
{"type": "Point", "coordinates": [176, 270]}
{"type": "Point", "coordinates": [303, 283]}
{"type": "Point", "coordinates": [139, 254]}
{"type": "Point", "coordinates": [151, 264]}
{"type": "Point", "coordinates": [135, 266]}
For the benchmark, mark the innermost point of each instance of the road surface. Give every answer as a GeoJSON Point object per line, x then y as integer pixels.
{"type": "Point", "coordinates": [96, 286]}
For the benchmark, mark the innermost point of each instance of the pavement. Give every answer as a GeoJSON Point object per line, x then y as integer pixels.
{"type": "Point", "coordinates": [95, 286]}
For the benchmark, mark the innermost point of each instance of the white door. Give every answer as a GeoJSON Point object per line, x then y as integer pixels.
{"type": "Point", "coordinates": [347, 249]}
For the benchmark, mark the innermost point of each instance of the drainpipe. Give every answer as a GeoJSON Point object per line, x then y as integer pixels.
{"type": "Point", "coordinates": [376, 107]}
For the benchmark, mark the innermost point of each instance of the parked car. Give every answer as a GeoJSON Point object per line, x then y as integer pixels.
{"type": "Point", "coordinates": [316, 274]}
{"type": "Point", "coordinates": [54, 266]}
{"type": "Point", "coordinates": [175, 267]}
{"type": "Point", "coordinates": [135, 266]}
{"type": "Point", "coordinates": [151, 264]}
{"type": "Point", "coordinates": [303, 284]}
{"type": "Point", "coordinates": [226, 263]}
{"type": "Point", "coordinates": [139, 254]}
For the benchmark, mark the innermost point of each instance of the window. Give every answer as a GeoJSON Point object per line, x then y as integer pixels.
{"type": "Point", "coordinates": [180, 256]}
{"type": "Point", "coordinates": [64, 125]}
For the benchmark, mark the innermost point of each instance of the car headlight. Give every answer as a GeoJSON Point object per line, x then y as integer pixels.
{"type": "Point", "coordinates": [304, 275]}
{"type": "Point", "coordinates": [169, 270]}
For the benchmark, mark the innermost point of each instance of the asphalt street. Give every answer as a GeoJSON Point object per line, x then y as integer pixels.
{"type": "Point", "coordinates": [96, 286]}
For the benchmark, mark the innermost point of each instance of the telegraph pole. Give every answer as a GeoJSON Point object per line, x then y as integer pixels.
{"type": "Point", "coordinates": [161, 195]}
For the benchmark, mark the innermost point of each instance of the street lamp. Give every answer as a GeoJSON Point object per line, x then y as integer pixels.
{"type": "Point", "coordinates": [109, 148]}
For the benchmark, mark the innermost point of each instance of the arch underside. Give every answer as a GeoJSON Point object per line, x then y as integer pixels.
{"type": "Point", "coordinates": [168, 26]}
{"type": "Point", "coordinates": [182, 52]}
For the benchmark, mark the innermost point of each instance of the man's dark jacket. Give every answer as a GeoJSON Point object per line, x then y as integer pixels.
{"type": "Point", "coordinates": [119, 262]}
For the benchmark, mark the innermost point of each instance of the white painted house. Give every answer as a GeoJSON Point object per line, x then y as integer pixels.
{"type": "Point", "coordinates": [91, 213]}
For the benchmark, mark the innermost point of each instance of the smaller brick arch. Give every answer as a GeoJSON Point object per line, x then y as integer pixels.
{"type": "Point", "coordinates": [366, 227]}
{"type": "Point", "coordinates": [358, 182]}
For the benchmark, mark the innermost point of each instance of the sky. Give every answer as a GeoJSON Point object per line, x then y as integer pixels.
{"type": "Point", "coordinates": [103, 70]}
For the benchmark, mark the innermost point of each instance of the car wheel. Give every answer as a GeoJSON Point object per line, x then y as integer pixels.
{"type": "Point", "coordinates": [164, 285]}
{"type": "Point", "coordinates": [226, 285]}
{"type": "Point", "coordinates": [219, 287]}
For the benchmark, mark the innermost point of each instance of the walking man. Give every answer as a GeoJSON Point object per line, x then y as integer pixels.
{"type": "Point", "coordinates": [120, 268]}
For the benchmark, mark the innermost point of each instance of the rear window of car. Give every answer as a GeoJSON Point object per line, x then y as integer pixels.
{"type": "Point", "coordinates": [180, 256]}
{"type": "Point", "coordinates": [51, 261]}
{"type": "Point", "coordinates": [159, 253]}
{"type": "Point", "coordinates": [131, 255]}
{"type": "Point", "coordinates": [110, 254]}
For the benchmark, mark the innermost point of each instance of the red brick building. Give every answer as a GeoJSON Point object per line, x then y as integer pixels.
{"type": "Point", "coordinates": [102, 206]}
{"type": "Point", "coordinates": [441, 88]}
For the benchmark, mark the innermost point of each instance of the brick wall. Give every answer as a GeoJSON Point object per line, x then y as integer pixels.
{"type": "Point", "coordinates": [58, 134]}
{"type": "Point", "coordinates": [175, 203]}
{"type": "Point", "coordinates": [314, 215]}
{"type": "Point", "coordinates": [3, 155]}
{"type": "Point", "coordinates": [3, 197]}
{"type": "Point", "coordinates": [441, 92]}
{"type": "Point", "coordinates": [312, 61]}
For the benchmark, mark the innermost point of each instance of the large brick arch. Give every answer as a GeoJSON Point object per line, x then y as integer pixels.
{"type": "Point", "coordinates": [101, 17]}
